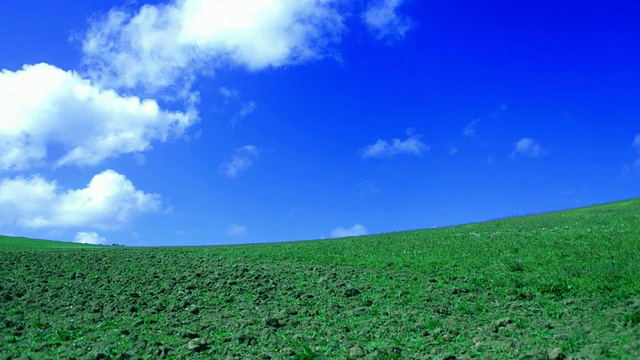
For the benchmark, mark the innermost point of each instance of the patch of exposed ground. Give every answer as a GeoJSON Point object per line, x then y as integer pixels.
{"type": "Point", "coordinates": [188, 303]}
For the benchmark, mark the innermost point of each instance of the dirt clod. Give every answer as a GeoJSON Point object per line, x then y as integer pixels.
{"type": "Point", "coordinates": [356, 352]}
{"type": "Point", "coordinates": [556, 354]}
{"type": "Point", "coordinates": [499, 324]}
{"type": "Point", "coordinates": [350, 292]}
{"type": "Point", "coordinates": [253, 308]}
{"type": "Point", "coordinates": [274, 322]}
{"type": "Point", "coordinates": [247, 339]}
{"type": "Point", "coordinates": [197, 345]}
{"type": "Point", "coordinates": [187, 334]}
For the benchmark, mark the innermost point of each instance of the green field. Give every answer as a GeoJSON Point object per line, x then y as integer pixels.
{"type": "Point", "coordinates": [18, 243]}
{"type": "Point", "coordinates": [550, 286]}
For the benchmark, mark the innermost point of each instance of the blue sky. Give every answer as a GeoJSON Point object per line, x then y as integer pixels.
{"type": "Point", "coordinates": [216, 122]}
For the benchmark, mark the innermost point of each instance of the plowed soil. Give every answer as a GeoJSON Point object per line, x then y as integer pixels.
{"type": "Point", "coordinates": [192, 303]}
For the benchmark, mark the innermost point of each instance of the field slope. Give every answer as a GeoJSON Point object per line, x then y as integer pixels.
{"type": "Point", "coordinates": [550, 286]}
{"type": "Point", "coordinates": [19, 243]}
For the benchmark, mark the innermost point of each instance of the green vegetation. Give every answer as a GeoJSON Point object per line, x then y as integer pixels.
{"type": "Point", "coordinates": [547, 286]}
{"type": "Point", "coordinates": [18, 243]}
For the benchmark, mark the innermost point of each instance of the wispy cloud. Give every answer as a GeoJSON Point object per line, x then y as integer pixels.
{"type": "Point", "coordinates": [89, 238]}
{"type": "Point", "coordinates": [384, 21]}
{"type": "Point", "coordinates": [228, 93]}
{"type": "Point", "coordinates": [110, 201]}
{"type": "Point", "coordinates": [355, 230]}
{"type": "Point", "coordinates": [412, 145]}
{"type": "Point", "coordinates": [501, 110]}
{"type": "Point", "coordinates": [632, 169]}
{"type": "Point", "coordinates": [236, 230]}
{"type": "Point", "coordinates": [469, 131]}
{"type": "Point", "coordinates": [529, 148]}
{"type": "Point", "coordinates": [240, 162]}
{"type": "Point", "coordinates": [233, 96]}
{"type": "Point", "coordinates": [247, 109]}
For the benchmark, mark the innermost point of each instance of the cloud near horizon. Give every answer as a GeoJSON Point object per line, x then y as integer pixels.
{"type": "Point", "coordinates": [355, 230]}
{"type": "Point", "coordinates": [91, 238]}
{"type": "Point", "coordinates": [412, 145]}
{"type": "Point", "coordinates": [236, 230]}
{"type": "Point", "coordinates": [110, 201]}
{"type": "Point", "coordinates": [44, 108]}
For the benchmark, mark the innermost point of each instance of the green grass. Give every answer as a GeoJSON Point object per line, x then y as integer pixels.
{"type": "Point", "coordinates": [541, 286]}
{"type": "Point", "coordinates": [19, 243]}
{"type": "Point", "coordinates": [589, 249]}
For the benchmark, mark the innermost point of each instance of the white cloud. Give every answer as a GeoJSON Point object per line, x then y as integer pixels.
{"type": "Point", "coordinates": [355, 230]}
{"type": "Point", "coordinates": [228, 93]}
{"type": "Point", "coordinates": [469, 131]}
{"type": "Point", "coordinates": [246, 110]}
{"type": "Point", "coordinates": [528, 148]}
{"type": "Point", "coordinates": [45, 108]}
{"type": "Point", "coordinates": [110, 201]}
{"type": "Point", "coordinates": [383, 19]}
{"type": "Point", "coordinates": [636, 143]}
{"type": "Point", "coordinates": [90, 238]}
{"type": "Point", "coordinates": [162, 45]}
{"type": "Point", "coordinates": [236, 230]}
{"type": "Point", "coordinates": [241, 161]}
{"type": "Point", "coordinates": [412, 145]}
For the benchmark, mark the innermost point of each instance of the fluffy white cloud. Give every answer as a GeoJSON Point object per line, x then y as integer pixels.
{"type": "Point", "coordinates": [110, 201]}
{"type": "Point", "coordinates": [241, 161]}
{"type": "Point", "coordinates": [528, 148]}
{"type": "Point", "coordinates": [44, 108]}
{"type": "Point", "coordinates": [355, 230]}
{"type": "Point", "coordinates": [383, 19]}
{"type": "Point", "coordinates": [89, 238]}
{"type": "Point", "coordinates": [236, 230]}
{"type": "Point", "coordinates": [412, 145]}
{"type": "Point", "coordinates": [159, 45]}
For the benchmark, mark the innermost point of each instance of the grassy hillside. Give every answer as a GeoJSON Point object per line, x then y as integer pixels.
{"type": "Point", "coordinates": [19, 243]}
{"type": "Point", "coordinates": [594, 248]}
{"type": "Point", "coordinates": [550, 286]}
